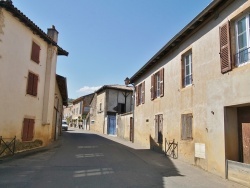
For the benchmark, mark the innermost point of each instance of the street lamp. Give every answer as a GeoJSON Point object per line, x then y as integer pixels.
{"type": "Point", "coordinates": [127, 81]}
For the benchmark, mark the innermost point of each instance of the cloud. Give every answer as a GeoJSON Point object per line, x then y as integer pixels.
{"type": "Point", "coordinates": [88, 89]}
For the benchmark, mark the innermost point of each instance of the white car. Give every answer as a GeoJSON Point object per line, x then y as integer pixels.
{"type": "Point", "coordinates": [64, 125]}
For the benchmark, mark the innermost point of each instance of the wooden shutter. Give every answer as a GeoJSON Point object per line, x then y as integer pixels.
{"type": "Point", "coordinates": [30, 84]}
{"type": "Point", "coordinates": [225, 51]}
{"type": "Point", "coordinates": [183, 71]}
{"type": "Point", "coordinates": [143, 92]}
{"type": "Point", "coordinates": [35, 83]}
{"type": "Point", "coordinates": [137, 95]}
{"type": "Point", "coordinates": [162, 82]}
{"type": "Point", "coordinates": [35, 52]}
{"type": "Point", "coordinates": [25, 129]}
{"type": "Point", "coordinates": [189, 118]}
{"type": "Point", "coordinates": [31, 130]}
{"type": "Point", "coordinates": [152, 87]}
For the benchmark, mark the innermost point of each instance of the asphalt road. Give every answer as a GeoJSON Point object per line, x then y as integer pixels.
{"type": "Point", "coordinates": [83, 159]}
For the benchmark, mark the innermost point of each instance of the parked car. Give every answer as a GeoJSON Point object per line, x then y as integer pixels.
{"type": "Point", "coordinates": [64, 125]}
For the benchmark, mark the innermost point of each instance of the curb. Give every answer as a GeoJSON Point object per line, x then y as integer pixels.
{"type": "Point", "coordinates": [30, 152]}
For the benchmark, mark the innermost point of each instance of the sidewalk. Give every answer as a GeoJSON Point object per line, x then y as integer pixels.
{"type": "Point", "coordinates": [190, 176]}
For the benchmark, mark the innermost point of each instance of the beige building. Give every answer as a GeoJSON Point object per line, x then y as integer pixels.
{"type": "Point", "coordinates": [28, 58]}
{"type": "Point", "coordinates": [196, 90]}
{"type": "Point", "coordinates": [61, 99]}
{"type": "Point", "coordinates": [109, 101]}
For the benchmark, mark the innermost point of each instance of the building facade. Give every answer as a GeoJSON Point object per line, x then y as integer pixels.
{"type": "Point", "coordinates": [28, 58]}
{"type": "Point", "coordinates": [195, 91]}
{"type": "Point", "coordinates": [109, 101]}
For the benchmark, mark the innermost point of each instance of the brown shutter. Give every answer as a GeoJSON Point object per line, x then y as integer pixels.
{"type": "Point", "coordinates": [31, 129]}
{"type": "Point", "coordinates": [152, 87]}
{"type": "Point", "coordinates": [35, 52]}
{"type": "Point", "coordinates": [143, 92]}
{"type": "Point", "coordinates": [137, 95]}
{"type": "Point", "coordinates": [30, 84]}
{"type": "Point", "coordinates": [25, 129]}
{"type": "Point", "coordinates": [182, 71]}
{"type": "Point", "coordinates": [162, 82]}
{"type": "Point", "coordinates": [225, 51]}
{"type": "Point", "coordinates": [35, 83]}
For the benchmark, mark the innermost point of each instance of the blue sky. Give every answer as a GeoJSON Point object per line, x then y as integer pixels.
{"type": "Point", "coordinates": [108, 40]}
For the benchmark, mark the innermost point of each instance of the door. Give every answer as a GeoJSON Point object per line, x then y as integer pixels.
{"type": "Point", "coordinates": [246, 142]}
{"type": "Point", "coordinates": [244, 134]}
{"type": "Point", "coordinates": [131, 137]}
{"type": "Point", "coordinates": [112, 125]}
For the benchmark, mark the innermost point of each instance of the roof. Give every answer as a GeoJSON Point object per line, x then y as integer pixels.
{"type": "Point", "coordinates": [211, 11]}
{"type": "Point", "coordinates": [62, 84]}
{"type": "Point", "coordinates": [7, 5]}
{"type": "Point", "coordinates": [87, 98]}
{"type": "Point", "coordinates": [116, 87]}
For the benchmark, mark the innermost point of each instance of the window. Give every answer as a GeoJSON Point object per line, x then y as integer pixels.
{"type": "Point", "coordinates": [32, 84]}
{"type": "Point", "coordinates": [159, 128]}
{"type": "Point", "coordinates": [186, 126]}
{"type": "Point", "coordinates": [100, 107]}
{"type": "Point", "coordinates": [140, 94]}
{"type": "Point", "coordinates": [157, 84]}
{"type": "Point", "coordinates": [121, 108]}
{"type": "Point", "coordinates": [186, 67]}
{"type": "Point", "coordinates": [242, 38]}
{"type": "Point", "coordinates": [28, 129]}
{"type": "Point", "coordinates": [35, 52]}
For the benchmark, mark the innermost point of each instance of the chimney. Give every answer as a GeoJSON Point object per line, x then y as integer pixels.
{"type": "Point", "coordinates": [53, 33]}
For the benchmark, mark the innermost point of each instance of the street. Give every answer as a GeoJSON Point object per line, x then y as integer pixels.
{"type": "Point", "coordinates": [84, 159]}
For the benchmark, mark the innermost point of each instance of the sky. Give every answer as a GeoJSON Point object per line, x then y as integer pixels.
{"type": "Point", "coordinates": [108, 40]}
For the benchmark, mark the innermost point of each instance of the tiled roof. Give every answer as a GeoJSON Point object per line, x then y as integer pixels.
{"type": "Point", "coordinates": [62, 84]}
{"type": "Point", "coordinates": [7, 5]}
{"type": "Point", "coordinates": [116, 87]}
{"type": "Point", "coordinates": [210, 12]}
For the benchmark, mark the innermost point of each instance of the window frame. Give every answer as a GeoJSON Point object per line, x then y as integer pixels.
{"type": "Point", "coordinates": [188, 134]}
{"type": "Point", "coordinates": [247, 47]}
{"type": "Point", "coordinates": [184, 66]}
{"type": "Point", "coordinates": [140, 94]}
{"type": "Point", "coordinates": [157, 84]}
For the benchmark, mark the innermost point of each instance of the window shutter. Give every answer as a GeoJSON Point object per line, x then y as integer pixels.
{"type": "Point", "coordinates": [225, 51]}
{"type": "Point", "coordinates": [183, 72]}
{"type": "Point", "coordinates": [156, 128]}
{"type": "Point", "coordinates": [31, 129]}
{"type": "Point", "coordinates": [35, 83]}
{"type": "Point", "coordinates": [143, 92]}
{"type": "Point", "coordinates": [35, 52]}
{"type": "Point", "coordinates": [30, 84]}
{"type": "Point", "coordinates": [189, 126]}
{"type": "Point", "coordinates": [25, 129]}
{"type": "Point", "coordinates": [137, 95]}
{"type": "Point", "coordinates": [152, 87]}
{"type": "Point", "coordinates": [162, 82]}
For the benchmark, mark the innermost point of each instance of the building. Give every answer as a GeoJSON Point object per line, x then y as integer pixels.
{"type": "Point", "coordinates": [61, 99]}
{"type": "Point", "coordinates": [195, 91]}
{"type": "Point", "coordinates": [80, 109]}
{"type": "Point", "coordinates": [28, 58]}
{"type": "Point", "coordinates": [109, 101]}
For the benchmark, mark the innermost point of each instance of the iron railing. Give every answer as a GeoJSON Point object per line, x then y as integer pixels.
{"type": "Point", "coordinates": [242, 57]}
{"type": "Point", "coordinates": [9, 146]}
